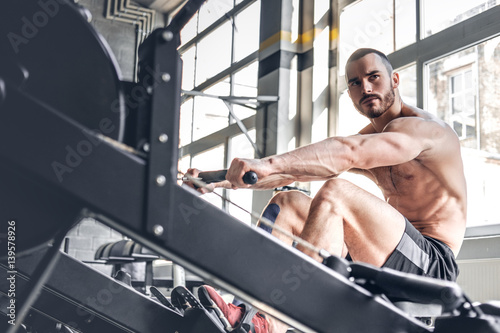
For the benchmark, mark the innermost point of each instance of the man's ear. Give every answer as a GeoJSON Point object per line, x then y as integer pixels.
{"type": "Point", "coordinates": [395, 80]}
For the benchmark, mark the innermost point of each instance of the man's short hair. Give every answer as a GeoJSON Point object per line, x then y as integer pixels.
{"type": "Point", "coordinates": [360, 53]}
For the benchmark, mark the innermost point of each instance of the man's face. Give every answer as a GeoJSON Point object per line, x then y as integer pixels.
{"type": "Point", "coordinates": [370, 86]}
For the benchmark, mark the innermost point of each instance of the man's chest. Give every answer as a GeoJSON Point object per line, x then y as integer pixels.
{"type": "Point", "coordinates": [402, 178]}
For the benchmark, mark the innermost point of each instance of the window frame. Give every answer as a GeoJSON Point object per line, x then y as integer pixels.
{"type": "Point", "coordinates": [462, 116]}
{"type": "Point", "coordinates": [224, 135]}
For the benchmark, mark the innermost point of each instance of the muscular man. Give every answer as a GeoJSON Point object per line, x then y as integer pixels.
{"type": "Point", "coordinates": [413, 157]}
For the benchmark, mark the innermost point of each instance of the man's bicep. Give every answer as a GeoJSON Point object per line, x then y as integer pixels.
{"type": "Point", "coordinates": [384, 149]}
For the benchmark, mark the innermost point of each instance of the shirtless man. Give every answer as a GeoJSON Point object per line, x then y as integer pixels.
{"type": "Point", "coordinates": [413, 157]}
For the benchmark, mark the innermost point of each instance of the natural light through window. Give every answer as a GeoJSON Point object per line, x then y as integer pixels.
{"type": "Point", "coordinates": [463, 90]}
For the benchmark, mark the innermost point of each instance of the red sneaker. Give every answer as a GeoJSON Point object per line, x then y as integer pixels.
{"type": "Point", "coordinates": [230, 315]}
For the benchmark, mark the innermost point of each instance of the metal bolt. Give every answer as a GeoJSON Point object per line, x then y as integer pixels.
{"type": "Point", "coordinates": [149, 90]}
{"type": "Point", "coordinates": [163, 138]}
{"type": "Point", "coordinates": [145, 147]}
{"type": "Point", "coordinates": [161, 180]}
{"type": "Point", "coordinates": [165, 77]}
{"type": "Point", "coordinates": [158, 230]}
{"type": "Point", "coordinates": [167, 35]}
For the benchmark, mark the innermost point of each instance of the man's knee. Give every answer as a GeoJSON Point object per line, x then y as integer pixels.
{"type": "Point", "coordinates": [334, 190]}
{"type": "Point", "coordinates": [293, 209]}
{"type": "Point", "coordinates": [289, 199]}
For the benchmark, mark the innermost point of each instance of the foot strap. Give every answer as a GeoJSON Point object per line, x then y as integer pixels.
{"type": "Point", "coordinates": [246, 325]}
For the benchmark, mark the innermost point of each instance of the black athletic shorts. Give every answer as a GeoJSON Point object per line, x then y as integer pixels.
{"type": "Point", "coordinates": [423, 255]}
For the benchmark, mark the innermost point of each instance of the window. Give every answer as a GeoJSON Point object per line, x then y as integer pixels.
{"type": "Point", "coordinates": [246, 33]}
{"type": "Point", "coordinates": [408, 84]}
{"type": "Point", "coordinates": [453, 75]}
{"type": "Point", "coordinates": [210, 114]}
{"type": "Point", "coordinates": [214, 53]}
{"type": "Point", "coordinates": [462, 90]}
{"type": "Point", "coordinates": [439, 15]}
{"type": "Point", "coordinates": [217, 48]}
{"type": "Point", "coordinates": [386, 25]}
{"type": "Point", "coordinates": [245, 84]}
{"type": "Point", "coordinates": [452, 93]}
{"type": "Point", "coordinates": [211, 160]}
{"type": "Point", "coordinates": [463, 108]}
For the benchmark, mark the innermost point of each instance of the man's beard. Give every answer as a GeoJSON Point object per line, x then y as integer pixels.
{"type": "Point", "coordinates": [386, 102]}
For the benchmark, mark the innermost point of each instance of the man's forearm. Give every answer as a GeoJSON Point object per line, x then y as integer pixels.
{"type": "Point", "coordinates": [319, 161]}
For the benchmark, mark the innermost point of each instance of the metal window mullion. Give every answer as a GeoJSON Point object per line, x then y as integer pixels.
{"type": "Point", "coordinates": [225, 193]}
{"type": "Point", "coordinates": [194, 81]}
{"type": "Point", "coordinates": [227, 141]}
{"type": "Point", "coordinates": [418, 12]}
{"type": "Point", "coordinates": [449, 113]}
{"type": "Point", "coordinates": [394, 46]}
{"type": "Point", "coordinates": [476, 103]}
{"type": "Point", "coordinates": [231, 75]}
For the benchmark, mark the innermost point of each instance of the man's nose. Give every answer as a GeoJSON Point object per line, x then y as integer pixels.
{"type": "Point", "coordinates": [367, 87]}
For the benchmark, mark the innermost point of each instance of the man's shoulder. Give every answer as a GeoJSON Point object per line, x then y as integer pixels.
{"type": "Point", "coordinates": [416, 120]}
{"type": "Point", "coordinates": [428, 129]}
{"type": "Point", "coordinates": [412, 113]}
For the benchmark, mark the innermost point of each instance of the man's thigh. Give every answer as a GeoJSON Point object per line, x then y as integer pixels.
{"type": "Point", "coordinates": [372, 228]}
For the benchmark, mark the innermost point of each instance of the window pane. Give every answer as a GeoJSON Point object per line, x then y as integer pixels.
{"type": "Point", "coordinates": [188, 67]}
{"type": "Point", "coordinates": [245, 84]}
{"type": "Point", "coordinates": [295, 20]}
{"type": "Point", "coordinates": [463, 90]}
{"type": "Point", "coordinates": [210, 114]}
{"type": "Point", "coordinates": [408, 84]}
{"type": "Point", "coordinates": [320, 126]}
{"type": "Point", "coordinates": [245, 81]}
{"type": "Point", "coordinates": [321, 9]}
{"type": "Point", "coordinates": [350, 120]}
{"type": "Point", "coordinates": [456, 105]}
{"type": "Point", "coordinates": [457, 126]}
{"type": "Point", "coordinates": [246, 35]}
{"type": "Point", "coordinates": [214, 53]}
{"type": "Point", "coordinates": [189, 31]}
{"type": "Point", "coordinates": [184, 163]}
{"type": "Point", "coordinates": [211, 11]}
{"type": "Point", "coordinates": [405, 23]}
{"type": "Point", "coordinates": [186, 123]}
{"type": "Point", "coordinates": [320, 69]}
{"type": "Point", "coordinates": [386, 25]}
{"type": "Point", "coordinates": [439, 15]}
{"type": "Point", "coordinates": [456, 83]}
{"type": "Point", "coordinates": [468, 80]}
{"type": "Point", "coordinates": [211, 160]}
{"type": "Point", "coordinates": [367, 23]}
{"type": "Point", "coordinates": [469, 107]}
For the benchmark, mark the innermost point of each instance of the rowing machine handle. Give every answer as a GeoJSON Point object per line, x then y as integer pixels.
{"type": "Point", "coordinates": [208, 177]}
